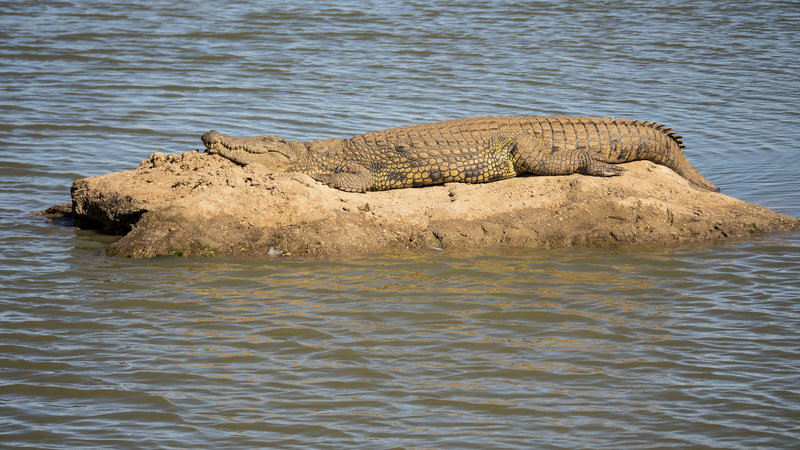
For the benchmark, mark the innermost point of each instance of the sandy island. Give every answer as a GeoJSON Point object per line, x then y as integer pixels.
{"type": "Point", "coordinates": [194, 203]}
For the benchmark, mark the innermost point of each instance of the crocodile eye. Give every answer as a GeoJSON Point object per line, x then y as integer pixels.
{"type": "Point", "coordinates": [274, 139]}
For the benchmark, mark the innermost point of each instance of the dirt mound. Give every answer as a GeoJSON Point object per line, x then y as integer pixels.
{"type": "Point", "coordinates": [201, 204]}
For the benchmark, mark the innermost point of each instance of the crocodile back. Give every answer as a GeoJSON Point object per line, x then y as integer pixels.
{"type": "Point", "coordinates": [618, 139]}
{"type": "Point", "coordinates": [615, 138]}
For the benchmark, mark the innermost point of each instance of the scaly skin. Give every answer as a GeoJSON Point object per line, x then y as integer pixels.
{"type": "Point", "coordinates": [476, 150]}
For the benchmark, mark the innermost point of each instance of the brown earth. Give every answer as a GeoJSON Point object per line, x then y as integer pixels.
{"type": "Point", "coordinates": [201, 204]}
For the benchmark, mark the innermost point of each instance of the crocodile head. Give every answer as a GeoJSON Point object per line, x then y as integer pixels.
{"type": "Point", "coordinates": [272, 151]}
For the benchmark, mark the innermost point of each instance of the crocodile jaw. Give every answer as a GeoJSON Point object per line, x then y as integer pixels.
{"type": "Point", "coordinates": [270, 151]}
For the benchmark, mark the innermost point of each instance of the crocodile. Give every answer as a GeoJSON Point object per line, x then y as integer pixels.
{"type": "Point", "coordinates": [474, 150]}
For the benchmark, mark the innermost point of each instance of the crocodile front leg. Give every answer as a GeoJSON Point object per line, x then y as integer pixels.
{"type": "Point", "coordinates": [532, 154]}
{"type": "Point", "coordinates": [350, 178]}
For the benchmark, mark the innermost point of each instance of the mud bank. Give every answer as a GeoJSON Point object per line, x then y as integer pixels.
{"type": "Point", "coordinates": [201, 204]}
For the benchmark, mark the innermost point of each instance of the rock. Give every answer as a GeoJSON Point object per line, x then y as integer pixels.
{"type": "Point", "coordinates": [202, 204]}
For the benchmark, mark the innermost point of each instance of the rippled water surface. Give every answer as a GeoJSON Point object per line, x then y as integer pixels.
{"type": "Point", "coordinates": [689, 347]}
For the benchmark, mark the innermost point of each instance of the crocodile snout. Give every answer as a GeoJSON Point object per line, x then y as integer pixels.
{"type": "Point", "coordinates": [210, 138]}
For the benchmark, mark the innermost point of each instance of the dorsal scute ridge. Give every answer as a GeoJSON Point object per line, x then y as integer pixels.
{"type": "Point", "coordinates": [658, 126]}
{"type": "Point", "coordinates": [664, 129]}
{"type": "Point", "coordinates": [489, 123]}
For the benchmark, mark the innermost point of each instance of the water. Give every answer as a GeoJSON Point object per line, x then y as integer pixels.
{"type": "Point", "coordinates": [689, 347]}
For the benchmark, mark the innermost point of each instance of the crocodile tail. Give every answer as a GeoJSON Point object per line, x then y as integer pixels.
{"type": "Point", "coordinates": [672, 154]}
{"type": "Point", "coordinates": [656, 142]}
{"type": "Point", "coordinates": [621, 140]}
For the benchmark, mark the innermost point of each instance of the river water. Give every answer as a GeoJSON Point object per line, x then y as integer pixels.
{"type": "Point", "coordinates": [525, 348]}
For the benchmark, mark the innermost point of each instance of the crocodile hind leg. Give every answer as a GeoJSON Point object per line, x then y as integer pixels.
{"type": "Point", "coordinates": [567, 162]}
{"type": "Point", "coordinates": [537, 156]}
{"type": "Point", "coordinates": [351, 178]}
